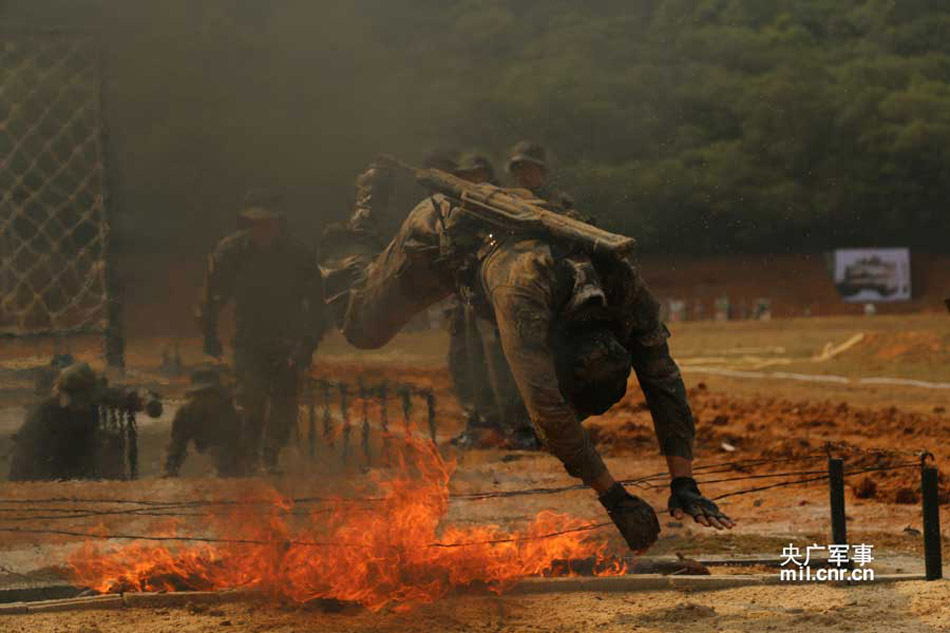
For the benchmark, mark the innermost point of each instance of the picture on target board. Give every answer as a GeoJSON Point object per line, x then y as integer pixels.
{"type": "Point", "coordinates": [867, 275]}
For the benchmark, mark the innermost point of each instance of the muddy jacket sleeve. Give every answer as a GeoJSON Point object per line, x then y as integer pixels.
{"type": "Point", "coordinates": [520, 297]}
{"type": "Point", "coordinates": [660, 378]}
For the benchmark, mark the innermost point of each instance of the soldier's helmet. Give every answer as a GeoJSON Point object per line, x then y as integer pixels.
{"type": "Point", "coordinates": [475, 161]}
{"type": "Point", "coordinates": [204, 379]}
{"type": "Point", "coordinates": [78, 384]}
{"type": "Point", "coordinates": [442, 159]}
{"type": "Point", "coordinates": [527, 152]}
{"type": "Point", "coordinates": [593, 371]}
{"type": "Point", "coordinates": [259, 205]}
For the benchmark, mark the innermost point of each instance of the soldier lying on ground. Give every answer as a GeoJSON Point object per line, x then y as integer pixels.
{"type": "Point", "coordinates": [210, 420]}
{"type": "Point", "coordinates": [571, 327]}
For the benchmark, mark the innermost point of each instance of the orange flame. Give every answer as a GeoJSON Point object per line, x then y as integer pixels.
{"type": "Point", "coordinates": [386, 552]}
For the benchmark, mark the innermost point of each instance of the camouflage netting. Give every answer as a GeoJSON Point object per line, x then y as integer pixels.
{"type": "Point", "coordinates": [53, 224]}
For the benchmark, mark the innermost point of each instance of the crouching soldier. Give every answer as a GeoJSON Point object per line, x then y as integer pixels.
{"type": "Point", "coordinates": [210, 420]}
{"type": "Point", "coordinates": [59, 438]}
{"type": "Point", "coordinates": [573, 321]}
{"type": "Point", "coordinates": [85, 429]}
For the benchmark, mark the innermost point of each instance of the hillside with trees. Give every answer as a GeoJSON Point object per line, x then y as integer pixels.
{"type": "Point", "coordinates": [699, 126]}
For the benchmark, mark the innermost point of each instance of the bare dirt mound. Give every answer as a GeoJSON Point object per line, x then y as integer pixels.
{"type": "Point", "coordinates": [921, 346]}
{"type": "Point", "coordinates": [755, 427]}
{"type": "Point", "coordinates": [741, 428]}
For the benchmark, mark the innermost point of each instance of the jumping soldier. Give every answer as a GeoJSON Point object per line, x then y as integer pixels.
{"type": "Point", "coordinates": [210, 420]}
{"type": "Point", "coordinates": [571, 326]}
{"type": "Point", "coordinates": [277, 291]}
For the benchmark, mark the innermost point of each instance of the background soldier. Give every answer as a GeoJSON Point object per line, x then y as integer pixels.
{"type": "Point", "coordinates": [494, 412]}
{"type": "Point", "coordinates": [571, 330]}
{"type": "Point", "coordinates": [210, 420]}
{"type": "Point", "coordinates": [528, 166]}
{"type": "Point", "coordinates": [277, 291]}
{"type": "Point", "coordinates": [59, 439]}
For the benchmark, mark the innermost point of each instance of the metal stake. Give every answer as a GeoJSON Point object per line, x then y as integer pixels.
{"type": "Point", "coordinates": [933, 556]}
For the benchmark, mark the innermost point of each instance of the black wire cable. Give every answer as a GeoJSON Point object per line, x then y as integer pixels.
{"type": "Point", "coordinates": [236, 541]}
{"type": "Point", "coordinates": [644, 482]}
{"type": "Point", "coordinates": [811, 479]}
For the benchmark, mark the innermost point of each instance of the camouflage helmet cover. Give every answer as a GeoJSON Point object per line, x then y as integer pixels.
{"type": "Point", "coordinates": [260, 205]}
{"type": "Point", "coordinates": [527, 152]}
{"type": "Point", "coordinates": [442, 159]}
{"type": "Point", "coordinates": [77, 378]}
{"type": "Point", "coordinates": [204, 378]}
{"type": "Point", "coordinates": [473, 161]}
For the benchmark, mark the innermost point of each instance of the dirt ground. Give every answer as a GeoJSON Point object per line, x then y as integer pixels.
{"type": "Point", "coordinates": [738, 418]}
{"type": "Point", "coordinates": [907, 607]}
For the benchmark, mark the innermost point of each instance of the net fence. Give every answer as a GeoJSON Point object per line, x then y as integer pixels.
{"type": "Point", "coordinates": [54, 228]}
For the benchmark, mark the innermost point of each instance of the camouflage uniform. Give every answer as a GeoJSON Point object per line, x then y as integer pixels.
{"type": "Point", "coordinates": [210, 420]}
{"type": "Point", "coordinates": [555, 199]}
{"type": "Point", "coordinates": [60, 439]}
{"type": "Point", "coordinates": [528, 288]}
{"type": "Point", "coordinates": [480, 375]}
{"type": "Point", "coordinates": [278, 309]}
{"type": "Point", "coordinates": [56, 443]}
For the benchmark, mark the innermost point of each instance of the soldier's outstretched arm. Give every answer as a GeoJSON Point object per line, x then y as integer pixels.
{"type": "Point", "coordinates": [523, 323]}
{"type": "Point", "coordinates": [662, 385]}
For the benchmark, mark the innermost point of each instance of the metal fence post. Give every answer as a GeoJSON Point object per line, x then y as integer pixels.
{"type": "Point", "coordinates": [933, 555]}
{"type": "Point", "coordinates": [839, 530]}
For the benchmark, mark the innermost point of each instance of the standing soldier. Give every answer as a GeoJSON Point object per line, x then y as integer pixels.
{"type": "Point", "coordinates": [277, 291]}
{"type": "Point", "coordinates": [494, 412]}
{"type": "Point", "coordinates": [528, 166]}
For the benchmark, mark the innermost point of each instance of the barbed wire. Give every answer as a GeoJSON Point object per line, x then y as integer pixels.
{"type": "Point", "coordinates": [169, 510]}
{"type": "Point", "coordinates": [812, 479]}
{"type": "Point", "coordinates": [291, 542]}
{"type": "Point", "coordinates": [643, 481]}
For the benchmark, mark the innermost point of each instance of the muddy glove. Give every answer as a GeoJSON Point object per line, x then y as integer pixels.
{"type": "Point", "coordinates": [685, 496]}
{"type": "Point", "coordinates": [633, 516]}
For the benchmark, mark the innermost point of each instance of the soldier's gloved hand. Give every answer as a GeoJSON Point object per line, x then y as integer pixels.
{"type": "Point", "coordinates": [633, 516]}
{"type": "Point", "coordinates": [685, 498]}
{"type": "Point", "coordinates": [213, 347]}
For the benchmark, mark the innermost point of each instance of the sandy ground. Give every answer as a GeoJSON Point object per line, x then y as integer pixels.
{"type": "Point", "coordinates": [769, 417]}
{"type": "Point", "coordinates": [906, 607]}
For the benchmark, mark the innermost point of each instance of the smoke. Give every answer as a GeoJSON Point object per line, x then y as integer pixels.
{"type": "Point", "coordinates": [207, 99]}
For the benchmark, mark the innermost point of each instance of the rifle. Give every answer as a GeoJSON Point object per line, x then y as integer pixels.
{"type": "Point", "coordinates": [511, 212]}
